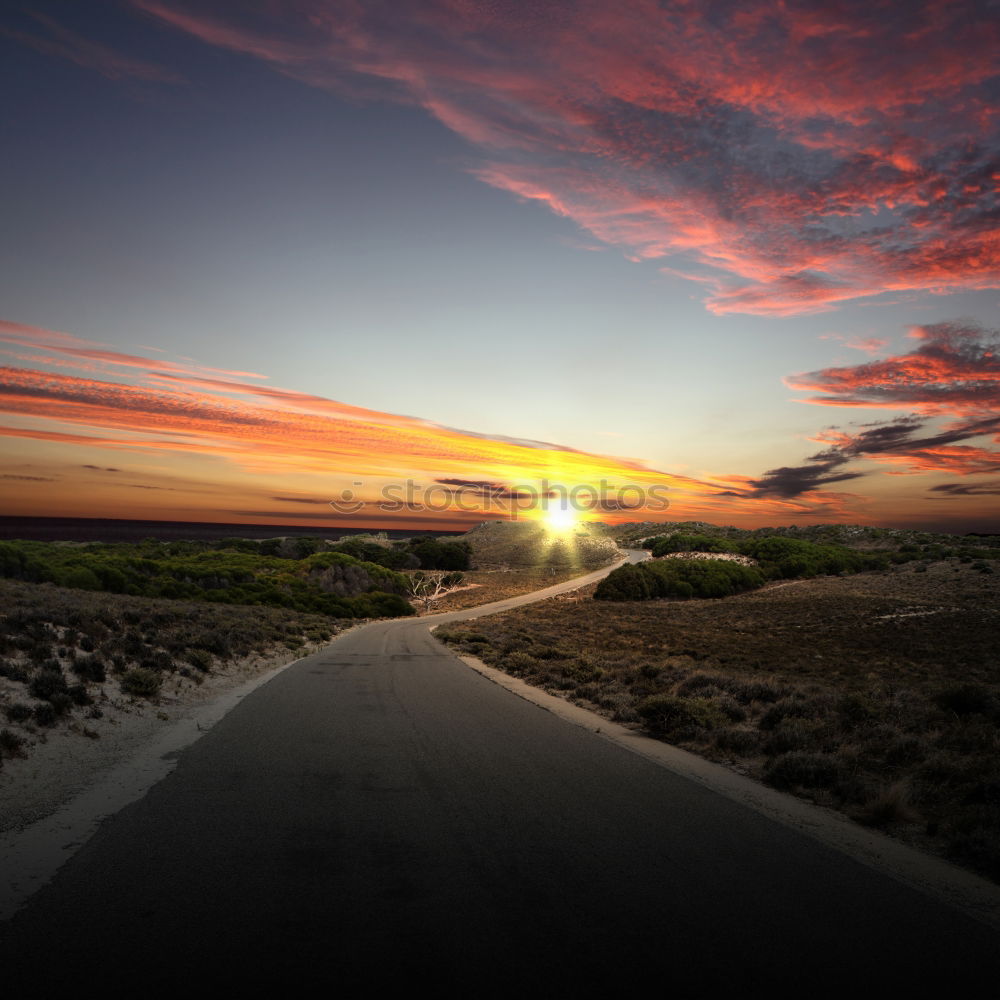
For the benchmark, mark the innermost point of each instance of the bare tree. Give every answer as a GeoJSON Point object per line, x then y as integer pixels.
{"type": "Point", "coordinates": [428, 586]}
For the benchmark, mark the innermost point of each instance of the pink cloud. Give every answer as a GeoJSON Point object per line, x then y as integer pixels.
{"type": "Point", "coordinates": [869, 345]}
{"type": "Point", "coordinates": [791, 157]}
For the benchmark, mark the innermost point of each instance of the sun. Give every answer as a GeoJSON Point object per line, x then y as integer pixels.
{"type": "Point", "coordinates": [560, 519]}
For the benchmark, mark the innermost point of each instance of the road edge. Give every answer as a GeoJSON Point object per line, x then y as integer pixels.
{"type": "Point", "coordinates": [31, 856]}
{"type": "Point", "coordinates": [963, 890]}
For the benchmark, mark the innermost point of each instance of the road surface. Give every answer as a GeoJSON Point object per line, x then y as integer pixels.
{"type": "Point", "coordinates": [381, 817]}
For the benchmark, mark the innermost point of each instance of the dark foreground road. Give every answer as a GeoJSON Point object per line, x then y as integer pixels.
{"type": "Point", "coordinates": [379, 816]}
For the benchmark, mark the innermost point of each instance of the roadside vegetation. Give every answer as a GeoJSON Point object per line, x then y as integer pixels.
{"type": "Point", "coordinates": [739, 565]}
{"type": "Point", "coordinates": [906, 543]}
{"type": "Point", "coordinates": [300, 574]}
{"type": "Point", "coordinates": [69, 657]}
{"type": "Point", "coordinates": [87, 630]}
{"type": "Point", "coordinates": [678, 579]}
{"type": "Point", "coordinates": [872, 691]}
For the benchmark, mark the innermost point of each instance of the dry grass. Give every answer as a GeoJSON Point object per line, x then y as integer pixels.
{"type": "Point", "coordinates": [877, 694]}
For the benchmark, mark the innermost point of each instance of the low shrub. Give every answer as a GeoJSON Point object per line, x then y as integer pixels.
{"type": "Point", "coordinates": [78, 694]}
{"type": "Point", "coordinates": [13, 672]}
{"type": "Point", "coordinates": [887, 805]}
{"type": "Point", "coordinates": [730, 707]}
{"type": "Point", "coordinates": [90, 668]}
{"type": "Point", "coordinates": [680, 718]}
{"type": "Point", "coordinates": [46, 683]}
{"type": "Point", "coordinates": [795, 707]}
{"type": "Point", "coordinates": [801, 769]}
{"type": "Point", "coordinates": [546, 652]}
{"type": "Point", "coordinates": [792, 733]}
{"type": "Point", "coordinates": [11, 745]}
{"type": "Point", "coordinates": [40, 650]}
{"type": "Point", "coordinates": [738, 741]}
{"type": "Point", "coordinates": [753, 689]}
{"type": "Point", "coordinates": [201, 659]}
{"type": "Point", "coordinates": [519, 662]}
{"type": "Point", "coordinates": [698, 682]}
{"type": "Point", "coordinates": [18, 712]}
{"type": "Point", "coordinates": [44, 713]}
{"type": "Point", "coordinates": [141, 682]}
{"type": "Point", "coordinates": [62, 702]}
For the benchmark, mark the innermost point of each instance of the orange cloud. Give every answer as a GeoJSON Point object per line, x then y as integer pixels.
{"type": "Point", "coordinates": [955, 369]}
{"type": "Point", "coordinates": [254, 432]}
{"type": "Point", "coordinates": [260, 437]}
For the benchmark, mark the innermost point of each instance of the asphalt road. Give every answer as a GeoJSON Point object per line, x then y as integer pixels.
{"type": "Point", "coordinates": [381, 817]}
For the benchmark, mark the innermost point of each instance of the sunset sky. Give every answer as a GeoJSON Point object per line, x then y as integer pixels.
{"type": "Point", "coordinates": [258, 254]}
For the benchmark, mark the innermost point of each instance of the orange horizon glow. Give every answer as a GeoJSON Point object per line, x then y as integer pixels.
{"type": "Point", "coordinates": [194, 446]}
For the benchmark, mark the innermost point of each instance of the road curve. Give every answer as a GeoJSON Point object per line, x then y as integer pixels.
{"type": "Point", "coordinates": [378, 816]}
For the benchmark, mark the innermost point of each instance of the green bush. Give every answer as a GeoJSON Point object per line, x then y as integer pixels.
{"type": "Point", "coordinates": [141, 682]}
{"type": "Point", "coordinates": [81, 578]}
{"type": "Point", "coordinates": [791, 558]}
{"type": "Point", "coordinates": [627, 583]}
{"type": "Point", "coordinates": [298, 575]}
{"type": "Point", "coordinates": [201, 659]}
{"type": "Point", "coordinates": [434, 554]}
{"type": "Point", "coordinates": [678, 578]}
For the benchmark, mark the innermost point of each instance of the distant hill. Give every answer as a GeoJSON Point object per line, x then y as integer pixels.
{"type": "Point", "coordinates": [518, 544]}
